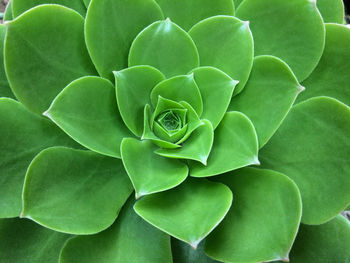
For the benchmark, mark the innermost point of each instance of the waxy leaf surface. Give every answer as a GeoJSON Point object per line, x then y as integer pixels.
{"type": "Point", "coordinates": [8, 12]}
{"type": "Point", "coordinates": [56, 56]}
{"type": "Point", "coordinates": [22, 136]}
{"type": "Point", "coordinates": [189, 212]}
{"type": "Point", "coordinates": [332, 11]}
{"type": "Point", "coordinates": [110, 28]}
{"type": "Point", "coordinates": [22, 240]}
{"type": "Point", "coordinates": [312, 147]}
{"type": "Point", "coordinates": [235, 146]}
{"type": "Point", "coordinates": [331, 76]}
{"type": "Point", "coordinates": [268, 96]}
{"type": "Point", "coordinates": [129, 239]}
{"type": "Point", "coordinates": [149, 172]}
{"type": "Point", "coordinates": [87, 111]}
{"type": "Point", "coordinates": [186, 13]}
{"type": "Point", "coordinates": [81, 195]}
{"type": "Point", "coordinates": [226, 43]}
{"type": "Point", "coordinates": [165, 46]}
{"type": "Point", "coordinates": [243, 237]}
{"type": "Point", "coordinates": [298, 40]}
{"type": "Point", "coordinates": [133, 87]}
{"type": "Point", "coordinates": [5, 90]}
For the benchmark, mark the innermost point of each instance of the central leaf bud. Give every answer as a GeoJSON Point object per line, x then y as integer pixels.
{"type": "Point", "coordinates": [169, 121]}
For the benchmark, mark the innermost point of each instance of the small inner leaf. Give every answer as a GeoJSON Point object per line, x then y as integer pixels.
{"type": "Point", "coordinates": [170, 121]}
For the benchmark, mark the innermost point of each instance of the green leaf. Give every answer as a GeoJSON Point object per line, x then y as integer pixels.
{"type": "Point", "coordinates": [324, 243]}
{"type": "Point", "coordinates": [86, 3]}
{"type": "Point", "coordinates": [331, 77]}
{"type": "Point", "coordinates": [22, 136]}
{"type": "Point", "coordinates": [133, 87]}
{"type": "Point", "coordinates": [291, 30]}
{"type": "Point", "coordinates": [332, 11]}
{"type": "Point", "coordinates": [237, 3]}
{"type": "Point", "coordinates": [110, 28]}
{"type": "Point", "coordinates": [216, 89]}
{"type": "Point", "coordinates": [56, 56]}
{"type": "Point", "coordinates": [197, 147]}
{"type": "Point", "coordinates": [189, 212]}
{"type": "Point", "coordinates": [179, 88]}
{"type": "Point", "coordinates": [165, 46]}
{"type": "Point", "coordinates": [235, 146]}
{"type": "Point", "coordinates": [8, 12]}
{"type": "Point", "coordinates": [182, 252]}
{"type": "Point", "coordinates": [268, 96]}
{"type": "Point", "coordinates": [129, 239]}
{"type": "Point", "coordinates": [24, 241]}
{"type": "Point", "coordinates": [226, 43]}
{"type": "Point", "coordinates": [83, 194]}
{"type": "Point", "coordinates": [312, 147]}
{"type": "Point", "coordinates": [193, 121]}
{"type": "Point", "coordinates": [149, 172]}
{"type": "Point", "coordinates": [186, 13]}
{"type": "Point", "coordinates": [87, 111]}
{"type": "Point", "coordinates": [5, 90]}
{"type": "Point", "coordinates": [245, 237]}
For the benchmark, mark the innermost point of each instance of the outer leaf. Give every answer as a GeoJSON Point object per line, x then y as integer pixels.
{"type": "Point", "coordinates": [299, 42]}
{"type": "Point", "coordinates": [216, 89]}
{"type": "Point", "coordinates": [235, 146]}
{"type": "Point", "coordinates": [268, 96]}
{"type": "Point", "coordinates": [179, 88]}
{"type": "Point", "coordinates": [133, 87]}
{"type": "Point", "coordinates": [83, 194]}
{"type": "Point", "coordinates": [166, 46]}
{"type": "Point", "coordinates": [129, 239]}
{"type": "Point", "coordinates": [331, 77]}
{"type": "Point", "coordinates": [5, 90]}
{"type": "Point", "coordinates": [87, 111]}
{"type": "Point", "coordinates": [56, 56]}
{"type": "Point", "coordinates": [182, 252]}
{"type": "Point", "coordinates": [110, 28]}
{"type": "Point", "coordinates": [22, 136]}
{"type": "Point", "coordinates": [86, 3]}
{"type": "Point", "coordinates": [20, 6]}
{"type": "Point", "coordinates": [186, 13]}
{"type": "Point", "coordinates": [325, 243]}
{"type": "Point", "coordinates": [24, 241]}
{"type": "Point", "coordinates": [242, 237]}
{"type": "Point", "coordinates": [149, 172]}
{"type": "Point", "coordinates": [8, 12]}
{"type": "Point", "coordinates": [237, 3]}
{"type": "Point", "coordinates": [199, 207]}
{"type": "Point", "coordinates": [332, 11]}
{"type": "Point", "coordinates": [318, 129]}
{"type": "Point", "coordinates": [226, 43]}
{"type": "Point", "coordinates": [197, 147]}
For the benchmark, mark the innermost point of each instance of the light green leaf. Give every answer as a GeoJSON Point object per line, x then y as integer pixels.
{"type": "Point", "coordinates": [193, 121]}
{"type": "Point", "coordinates": [149, 172]}
{"type": "Point", "coordinates": [56, 56]}
{"type": "Point", "coordinates": [216, 89]}
{"type": "Point", "coordinates": [110, 28]}
{"type": "Point", "coordinates": [8, 12]}
{"type": "Point", "coordinates": [324, 243]}
{"type": "Point", "coordinates": [74, 191]}
{"type": "Point", "coordinates": [179, 88]}
{"type": "Point", "coordinates": [331, 77]}
{"type": "Point", "coordinates": [226, 43]}
{"type": "Point", "coordinates": [5, 90]}
{"type": "Point", "coordinates": [20, 6]}
{"type": "Point", "coordinates": [87, 111]}
{"type": "Point", "coordinates": [186, 13]}
{"type": "Point", "coordinates": [24, 241]}
{"type": "Point", "coordinates": [165, 46]}
{"type": "Point", "coordinates": [235, 146]}
{"type": "Point", "coordinates": [189, 212]}
{"type": "Point", "coordinates": [291, 30]}
{"type": "Point", "coordinates": [22, 136]}
{"type": "Point", "coordinates": [332, 11]}
{"type": "Point", "coordinates": [197, 147]}
{"type": "Point", "coordinates": [268, 96]}
{"type": "Point", "coordinates": [237, 3]}
{"type": "Point", "coordinates": [312, 147]}
{"type": "Point", "coordinates": [243, 237]}
{"type": "Point", "coordinates": [129, 239]}
{"type": "Point", "coordinates": [133, 87]}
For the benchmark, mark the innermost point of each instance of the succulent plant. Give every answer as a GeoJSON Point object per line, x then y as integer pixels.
{"type": "Point", "coordinates": [229, 120]}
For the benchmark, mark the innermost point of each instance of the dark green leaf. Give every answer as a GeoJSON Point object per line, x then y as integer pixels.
{"type": "Point", "coordinates": [5, 90]}
{"type": "Point", "coordinates": [332, 11]}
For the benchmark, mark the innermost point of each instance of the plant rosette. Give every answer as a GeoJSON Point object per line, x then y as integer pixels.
{"type": "Point", "coordinates": [229, 120]}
